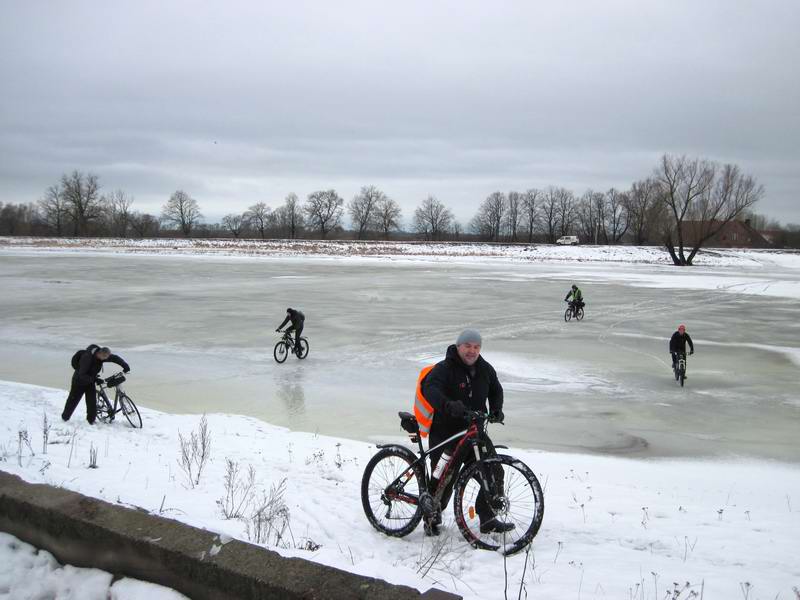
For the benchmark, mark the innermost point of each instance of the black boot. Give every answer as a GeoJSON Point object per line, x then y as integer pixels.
{"type": "Point", "coordinates": [494, 525]}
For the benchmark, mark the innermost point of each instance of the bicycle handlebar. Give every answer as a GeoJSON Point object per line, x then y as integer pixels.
{"type": "Point", "coordinates": [476, 415]}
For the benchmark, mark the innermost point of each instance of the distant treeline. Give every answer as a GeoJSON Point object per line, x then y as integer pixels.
{"type": "Point", "coordinates": [681, 195]}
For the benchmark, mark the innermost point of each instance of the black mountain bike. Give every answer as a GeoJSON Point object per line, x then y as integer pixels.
{"type": "Point", "coordinates": [573, 310]}
{"type": "Point", "coordinates": [679, 368]}
{"type": "Point", "coordinates": [122, 402]}
{"type": "Point", "coordinates": [286, 345]}
{"type": "Point", "coordinates": [395, 496]}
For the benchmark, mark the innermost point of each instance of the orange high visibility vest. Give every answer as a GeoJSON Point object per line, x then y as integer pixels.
{"type": "Point", "coordinates": [422, 408]}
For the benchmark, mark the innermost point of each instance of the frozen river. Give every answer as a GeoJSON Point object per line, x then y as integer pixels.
{"type": "Point", "coordinates": [199, 331]}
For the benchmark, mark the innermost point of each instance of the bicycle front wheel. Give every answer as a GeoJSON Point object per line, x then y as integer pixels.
{"type": "Point", "coordinates": [514, 505]}
{"type": "Point", "coordinates": [280, 352]}
{"type": "Point", "coordinates": [302, 352]}
{"type": "Point", "coordinates": [104, 412]}
{"type": "Point", "coordinates": [390, 491]}
{"type": "Point", "coordinates": [568, 314]}
{"type": "Point", "coordinates": [130, 411]}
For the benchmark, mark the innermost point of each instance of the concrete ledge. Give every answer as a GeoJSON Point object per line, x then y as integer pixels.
{"type": "Point", "coordinates": [87, 532]}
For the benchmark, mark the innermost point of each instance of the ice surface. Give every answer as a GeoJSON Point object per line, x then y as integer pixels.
{"type": "Point", "coordinates": [198, 331]}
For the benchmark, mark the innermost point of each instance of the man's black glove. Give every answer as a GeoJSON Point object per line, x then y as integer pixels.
{"type": "Point", "coordinates": [497, 416]}
{"type": "Point", "coordinates": [691, 352]}
{"type": "Point", "coordinates": [456, 409]}
{"type": "Point", "coordinates": [128, 370]}
{"type": "Point", "coordinates": [98, 380]}
{"type": "Point", "coordinates": [277, 331]}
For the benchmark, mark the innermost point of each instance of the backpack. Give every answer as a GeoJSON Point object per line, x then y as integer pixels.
{"type": "Point", "coordinates": [76, 358]}
{"type": "Point", "coordinates": [423, 410]}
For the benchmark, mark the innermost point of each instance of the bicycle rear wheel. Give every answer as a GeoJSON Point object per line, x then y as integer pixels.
{"type": "Point", "coordinates": [130, 411]}
{"type": "Point", "coordinates": [302, 352]}
{"type": "Point", "coordinates": [579, 314]}
{"type": "Point", "coordinates": [393, 508]}
{"type": "Point", "coordinates": [280, 352]}
{"type": "Point", "coordinates": [516, 499]}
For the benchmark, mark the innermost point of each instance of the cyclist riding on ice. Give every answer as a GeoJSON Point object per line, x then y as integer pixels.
{"type": "Point", "coordinates": [298, 321]}
{"type": "Point", "coordinates": [677, 345]}
{"type": "Point", "coordinates": [577, 297]}
{"type": "Point", "coordinates": [462, 382]}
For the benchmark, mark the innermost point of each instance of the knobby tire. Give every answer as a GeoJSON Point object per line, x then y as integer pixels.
{"type": "Point", "coordinates": [394, 517]}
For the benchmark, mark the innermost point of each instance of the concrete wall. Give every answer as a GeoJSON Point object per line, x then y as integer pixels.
{"type": "Point", "coordinates": [87, 532]}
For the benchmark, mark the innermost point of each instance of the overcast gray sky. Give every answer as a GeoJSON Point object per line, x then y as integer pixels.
{"type": "Point", "coordinates": [240, 102]}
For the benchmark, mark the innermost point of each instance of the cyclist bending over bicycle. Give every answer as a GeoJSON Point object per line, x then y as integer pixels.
{"type": "Point", "coordinates": [462, 382]}
{"type": "Point", "coordinates": [298, 320]}
{"type": "Point", "coordinates": [88, 364]}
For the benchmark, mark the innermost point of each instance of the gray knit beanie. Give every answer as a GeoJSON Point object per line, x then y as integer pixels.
{"type": "Point", "coordinates": [469, 336]}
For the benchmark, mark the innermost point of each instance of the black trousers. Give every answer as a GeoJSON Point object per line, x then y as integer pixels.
{"type": "Point", "coordinates": [485, 512]}
{"type": "Point", "coordinates": [76, 392]}
{"type": "Point", "coordinates": [297, 332]}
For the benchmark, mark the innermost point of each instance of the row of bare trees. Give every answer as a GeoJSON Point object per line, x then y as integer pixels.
{"type": "Point", "coordinates": [684, 200]}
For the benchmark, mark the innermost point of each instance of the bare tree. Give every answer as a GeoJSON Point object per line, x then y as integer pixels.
{"type": "Point", "coordinates": [530, 211]}
{"type": "Point", "coordinates": [514, 211]}
{"type": "Point", "coordinates": [260, 217]}
{"type": "Point", "coordinates": [388, 216]}
{"type": "Point", "coordinates": [363, 209]}
{"type": "Point", "coordinates": [489, 220]}
{"type": "Point", "coordinates": [82, 195]}
{"type": "Point", "coordinates": [234, 222]}
{"type": "Point", "coordinates": [118, 211]}
{"type": "Point", "coordinates": [588, 220]}
{"type": "Point", "coordinates": [566, 210]}
{"type": "Point", "coordinates": [615, 224]}
{"type": "Point", "coordinates": [181, 211]}
{"type": "Point", "coordinates": [642, 200]}
{"type": "Point", "coordinates": [54, 209]}
{"type": "Point", "coordinates": [549, 211]}
{"type": "Point", "coordinates": [144, 225]}
{"type": "Point", "coordinates": [324, 210]}
{"type": "Point", "coordinates": [290, 216]}
{"type": "Point", "coordinates": [432, 219]}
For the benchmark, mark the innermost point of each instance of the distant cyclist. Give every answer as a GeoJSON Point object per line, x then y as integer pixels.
{"type": "Point", "coordinates": [462, 381]}
{"type": "Point", "coordinates": [577, 297]}
{"type": "Point", "coordinates": [298, 320]}
{"type": "Point", "coordinates": [88, 364]}
{"type": "Point", "coordinates": [677, 345]}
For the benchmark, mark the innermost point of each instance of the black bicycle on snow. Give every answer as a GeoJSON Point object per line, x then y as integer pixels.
{"type": "Point", "coordinates": [286, 345]}
{"type": "Point", "coordinates": [106, 411]}
{"type": "Point", "coordinates": [395, 496]}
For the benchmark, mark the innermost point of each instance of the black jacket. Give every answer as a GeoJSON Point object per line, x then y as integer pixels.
{"type": "Point", "coordinates": [89, 366]}
{"type": "Point", "coordinates": [295, 316]}
{"type": "Point", "coordinates": [450, 380]}
{"type": "Point", "coordinates": [677, 343]}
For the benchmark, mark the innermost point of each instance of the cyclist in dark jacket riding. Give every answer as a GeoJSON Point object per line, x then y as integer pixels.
{"type": "Point", "coordinates": [462, 381]}
{"type": "Point", "coordinates": [677, 344]}
{"type": "Point", "coordinates": [298, 320]}
{"type": "Point", "coordinates": [85, 377]}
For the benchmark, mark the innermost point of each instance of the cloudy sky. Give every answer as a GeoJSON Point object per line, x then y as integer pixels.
{"type": "Point", "coordinates": [240, 102]}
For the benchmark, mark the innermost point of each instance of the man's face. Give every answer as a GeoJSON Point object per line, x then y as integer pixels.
{"type": "Point", "coordinates": [469, 353]}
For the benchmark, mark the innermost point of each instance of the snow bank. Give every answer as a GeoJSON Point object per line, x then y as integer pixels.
{"type": "Point", "coordinates": [613, 528]}
{"type": "Point", "coordinates": [26, 572]}
{"type": "Point", "coordinates": [409, 250]}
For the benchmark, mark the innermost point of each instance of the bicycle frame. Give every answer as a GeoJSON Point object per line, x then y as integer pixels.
{"type": "Point", "coordinates": [470, 437]}
{"type": "Point", "coordinates": [102, 392]}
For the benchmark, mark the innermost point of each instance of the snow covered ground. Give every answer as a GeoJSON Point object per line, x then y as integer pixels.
{"type": "Point", "coordinates": [30, 574]}
{"type": "Point", "coordinates": [613, 527]}
{"type": "Point", "coordinates": [428, 250]}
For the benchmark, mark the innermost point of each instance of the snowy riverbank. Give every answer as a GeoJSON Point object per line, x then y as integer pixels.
{"type": "Point", "coordinates": [428, 250]}
{"type": "Point", "coordinates": [613, 528]}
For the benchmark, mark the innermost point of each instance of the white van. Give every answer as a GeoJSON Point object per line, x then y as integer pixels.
{"type": "Point", "coordinates": [567, 240]}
